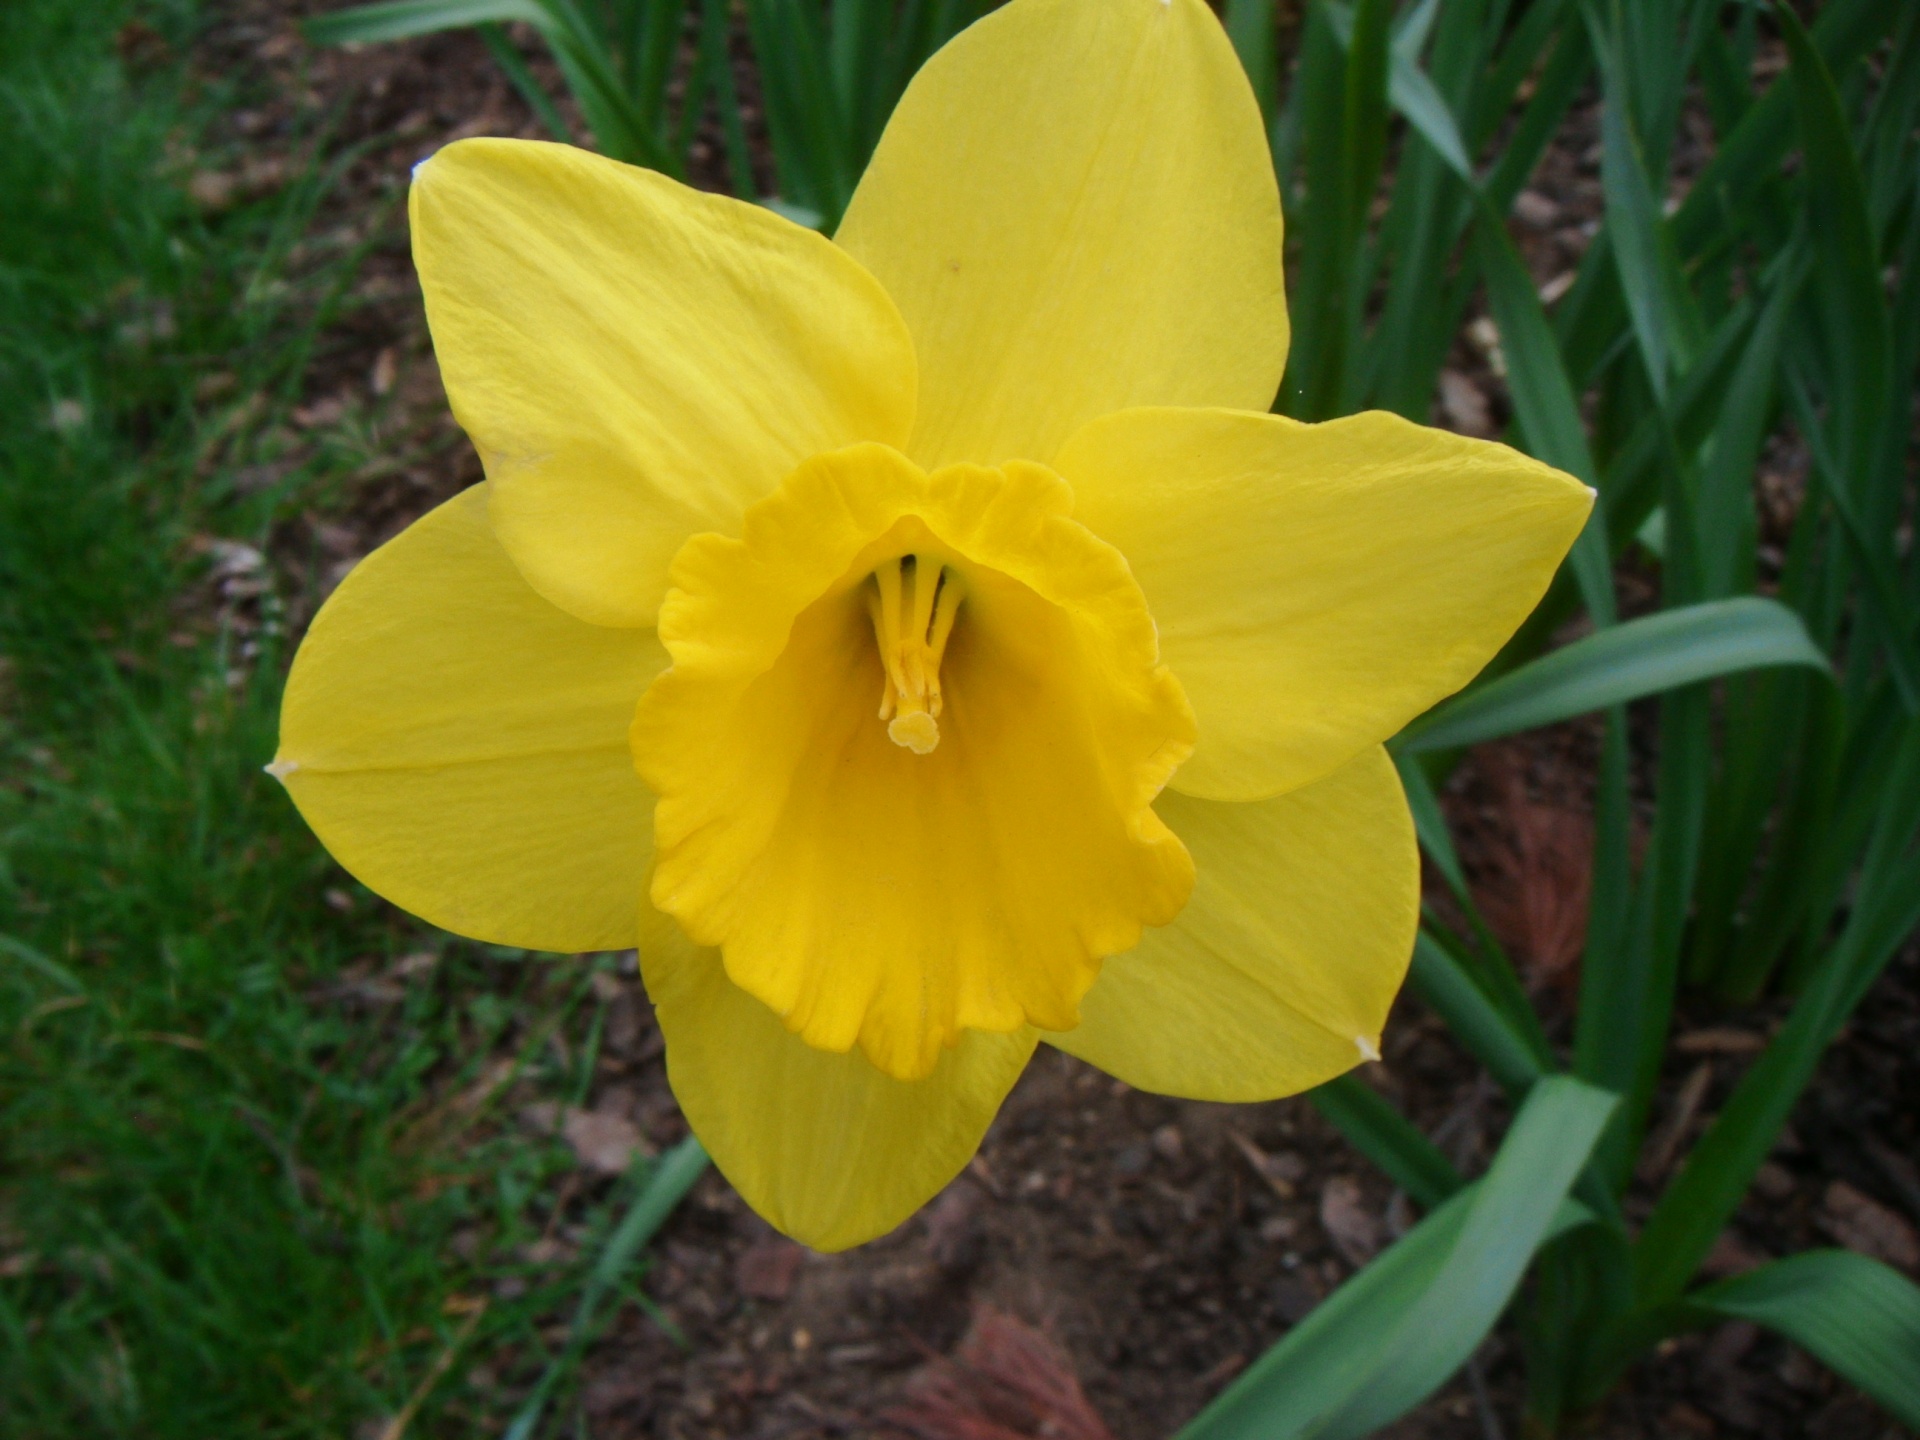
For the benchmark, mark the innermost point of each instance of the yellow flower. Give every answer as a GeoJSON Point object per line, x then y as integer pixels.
{"type": "Point", "coordinates": [835, 612]}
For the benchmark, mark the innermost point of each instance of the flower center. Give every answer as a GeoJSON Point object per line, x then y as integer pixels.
{"type": "Point", "coordinates": [913, 602]}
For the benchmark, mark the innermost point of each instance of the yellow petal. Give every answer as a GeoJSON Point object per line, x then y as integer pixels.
{"type": "Point", "coordinates": [1074, 207]}
{"type": "Point", "coordinates": [637, 361]}
{"type": "Point", "coordinates": [460, 745]}
{"type": "Point", "coordinates": [1318, 586]}
{"type": "Point", "coordinates": [870, 887]}
{"type": "Point", "coordinates": [1279, 973]}
{"type": "Point", "coordinates": [825, 1147]}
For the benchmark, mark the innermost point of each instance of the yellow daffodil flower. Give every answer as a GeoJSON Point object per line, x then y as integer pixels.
{"type": "Point", "coordinates": [922, 643]}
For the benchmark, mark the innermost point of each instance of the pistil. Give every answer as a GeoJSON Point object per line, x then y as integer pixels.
{"type": "Point", "coordinates": [913, 603]}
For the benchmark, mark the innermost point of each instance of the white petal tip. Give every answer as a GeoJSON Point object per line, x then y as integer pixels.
{"type": "Point", "coordinates": [421, 164]}
{"type": "Point", "coordinates": [1368, 1049]}
{"type": "Point", "coordinates": [280, 769]}
{"type": "Point", "coordinates": [1593, 492]}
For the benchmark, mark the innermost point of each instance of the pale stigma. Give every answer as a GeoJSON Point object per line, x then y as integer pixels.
{"type": "Point", "coordinates": [913, 603]}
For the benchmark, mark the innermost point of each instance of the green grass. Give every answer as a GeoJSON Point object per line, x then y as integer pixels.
{"type": "Point", "coordinates": [229, 1197]}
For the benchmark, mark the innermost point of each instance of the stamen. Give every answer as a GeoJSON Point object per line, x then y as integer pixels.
{"type": "Point", "coordinates": [913, 606]}
{"type": "Point", "coordinates": [940, 629]}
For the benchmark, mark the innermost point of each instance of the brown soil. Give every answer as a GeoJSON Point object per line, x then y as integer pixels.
{"type": "Point", "coordinates": [1163, 1244]}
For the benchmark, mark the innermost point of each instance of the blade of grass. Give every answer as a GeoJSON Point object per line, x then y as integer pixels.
{"type": "Point", "coordinates": [52, 970]}
{"type": "Point", "coordinates": [791, 44]}
{"type": "Point", "coordinates": [661, 1185]}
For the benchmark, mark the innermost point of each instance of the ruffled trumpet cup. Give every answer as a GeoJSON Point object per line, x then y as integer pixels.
{"type": "Point", "coordinates": [920, 643]}
{"type": "Point", "coordinates": [907, 753]}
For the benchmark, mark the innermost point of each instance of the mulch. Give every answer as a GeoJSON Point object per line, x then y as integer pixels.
{"type": "Point", "coordinates": [1131, 1250]}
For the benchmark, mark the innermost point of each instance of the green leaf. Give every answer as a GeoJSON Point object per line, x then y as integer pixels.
{"type": "Point", "coordinates": [1724, 511]}
{"type": "Point", "coordinates": [1409, 89]}
{"type": "Point", "coordinates": [1365, 97]}
{"type": "Point", "coordinates": [1748, 158]}
{"type": "Point", "coordinates": [651, 46]}
{"type": "Point", "coordinates": [1388, 1138]}
{"type": "Point", "coordinates": [508, 58]}
{"type": "Point", "coordinates": [1546, 409]}
{"type": "Point", "coordinates": [810, 131]}
{"type": "Point", "coordinates": [1480, 997]}
{"type": "Point", "coordinates": [1700, 1201]}
{"type": "Point", "coordinates": [1250, 27]}
{"type": "Point", "coordinates": [1426, 109]}
{"type": "Point", "coordinates": [1700, 399]}
{"type": "Point", "coordinates": [1556, 57]}
{"type": "Point", "coordinates": [1445, 987]}
{"type": "Point", "coordinates": [1642, 657]}
{"type": "Point", "coordinates": [1859, 1316]}
{"type": "Point", "coordinates": [1394, 1333]}
{"type": "Point", "coordinates": [799, 214]}
{"type": "Point", "coordinates": [1874, 551]}
{"type": "Point", "coordinates": [716, 29]}
{"type": "Point", "coordinates": [1665, 320]}
{"type": "Point", "coordinates": [1341, 107]}
{"type": "Point", "coordinates": [1718, 211]}
{"type": "Point", "coordinates": [404, 19]}
{"type": "Point", "coordinates": [1848, 270]}
{"type": "Point", "coordinates": [1430, 825]}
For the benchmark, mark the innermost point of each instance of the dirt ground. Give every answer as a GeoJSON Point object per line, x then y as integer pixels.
{"type": "Point", "coordinates": [1161, 1244]}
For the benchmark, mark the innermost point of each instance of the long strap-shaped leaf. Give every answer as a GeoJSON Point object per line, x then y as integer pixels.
{"type": "Point", "coordinates": [1394, 1333]}
{"type": "Point", "coordinates": [1709, 1188]}
{"type": "Point", "coordinates": [1512, 1055]}
{"type": "Point", "coordinates": [404, 19]}
{"type": "Point", "coordinates": [1642, 657]}
{"type": "Point", "coordinates": [1856, 1314]}
{"type": "Point", "coordinates": [1546, 407]}
{"type": "Point", "coordinates": [619, 127]}
{"type": "Point", "coordinates": [1386, 1137]}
